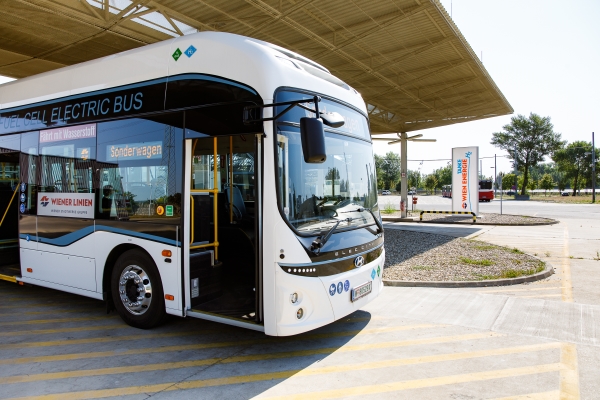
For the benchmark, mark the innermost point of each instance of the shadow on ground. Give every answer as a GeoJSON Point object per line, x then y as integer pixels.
{"type": "Point", "coordinates": [188, 358]}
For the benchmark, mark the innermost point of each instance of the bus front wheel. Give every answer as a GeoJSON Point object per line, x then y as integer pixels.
{"type": "Point", "coordinates": [137, 290]}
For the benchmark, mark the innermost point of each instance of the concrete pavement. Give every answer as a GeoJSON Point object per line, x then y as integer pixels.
{"type": "Point", "coordinates": [533, 341]}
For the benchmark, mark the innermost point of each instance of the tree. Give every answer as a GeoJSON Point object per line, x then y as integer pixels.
{"type": "Point", "coordinates": [431, 182]}
{"type": "Point", "coordinates": [562, 182]}
{"type": "Point", "coordinates": [528, 141]}
{"type": "Point", "coordinates": [508, 181]}
{"type": "Point", "coordinates": [388, 170]}
{"type": "Point", "coordinates": [532, 184]}
{"type": "Point", "coordinates": [520, 180]}
{"type": "Point", "coordinates": [414, 179]}
{"type": "Point", "coordinates": [443, 176]}
{"type": "Point", "coordinates": [333, 174]}
{"type": "Point", "coordinates": [575, 162]}
{"type": "Point", "coordinates": [537, 172]}
{"type": "Point", "coordinates": [378, 167]}
{"type": "Point", "coordinates": [547, 183]}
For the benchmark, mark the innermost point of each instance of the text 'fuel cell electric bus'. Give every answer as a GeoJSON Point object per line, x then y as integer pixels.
{"type": "Point", "coordinates": [213, 176]}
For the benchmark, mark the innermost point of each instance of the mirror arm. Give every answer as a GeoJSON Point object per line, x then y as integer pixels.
{"type": "Point", "coordinates": [249, 115]}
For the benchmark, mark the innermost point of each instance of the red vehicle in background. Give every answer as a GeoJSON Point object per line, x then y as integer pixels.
{"type": "Point", "coordinates": [486, 190]}
{"type": "Point", "coordinates": [447, 191]}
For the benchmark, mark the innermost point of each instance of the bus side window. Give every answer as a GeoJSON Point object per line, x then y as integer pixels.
{"type": "Point", "coordinates": [137, 170]}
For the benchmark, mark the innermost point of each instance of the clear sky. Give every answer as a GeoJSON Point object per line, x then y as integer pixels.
{"type": "Point", "coordinates": [544, 55]}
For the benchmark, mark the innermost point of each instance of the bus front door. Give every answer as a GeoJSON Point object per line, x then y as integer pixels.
{"type": "Point", "coordinates": [222, 267]}
{"type": "Point", "coordinates": [9, 216]}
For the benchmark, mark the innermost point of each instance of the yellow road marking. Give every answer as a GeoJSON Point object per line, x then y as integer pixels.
{"type": "Point", "coordinates": [288, 354]}
{"type": "Point", "coordinates": [80, 302]}
{"type": "Point", "coordinates": [47, 312]}
{"type": "Point", "coordinates": [162, 335]}
{"type": "Point", "coordinates": [199, 346]}
{"type": "Point", "coordinates": [52, 321]}
{"type": "Point", "coordinates": [541, 283]}
{"type": "Point", "coordinates": [94, 340]}
{"type": "Point", "coordinates": [25, 306]}
{"type": "Point", "coordinates": [60, 330]}
{"type": "Point", "coordinates": [518, 290]}
{"type": "Point", "coordinates": [552, 395]}
{"type": "Point", "coordinates": [49, 294]}
{"type": "Point", "coordinates": [353, 391]}
{"type": "Point", "coordinates": [569, 377]}
{"type": "Point", "coordinates": [310, 371]}
{"type": "Point", "coordinates": [567, 292]}
{"type": "Point", "coordinates": [542, 295]}
{"type": "Point", "coordinates": [422, 383]}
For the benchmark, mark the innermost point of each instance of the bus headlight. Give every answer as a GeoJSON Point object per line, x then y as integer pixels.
{"type": "Point", "coordinates": [294, 298]}
{"type": "Point", "coordinates": [299, 313]}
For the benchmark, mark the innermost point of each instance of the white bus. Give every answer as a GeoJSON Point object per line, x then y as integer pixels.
{"type": "Point", "coordinates": [185, 178]}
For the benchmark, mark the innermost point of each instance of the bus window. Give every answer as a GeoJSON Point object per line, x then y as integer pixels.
{"type": "Point", "coordinates": [66, 165]}
{"type": "Point", "coordinates": [136, 170]}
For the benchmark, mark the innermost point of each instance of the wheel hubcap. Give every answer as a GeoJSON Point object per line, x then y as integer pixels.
{"type": "Point", "coordinates": [135, 290]}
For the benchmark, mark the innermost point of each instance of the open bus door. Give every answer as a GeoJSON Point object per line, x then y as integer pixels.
{"type": "Point", "coordinates": [9, 215]}
{"type": "Point", "coordinates": [221, 255]}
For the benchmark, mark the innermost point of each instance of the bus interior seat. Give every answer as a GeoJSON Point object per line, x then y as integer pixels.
{"type": "Point", "coordinates": [239, 207]}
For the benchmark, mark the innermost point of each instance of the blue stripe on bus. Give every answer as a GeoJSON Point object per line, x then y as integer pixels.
{"type": "Point", "coordinates": [73, 237]}
{"type": "Point", "coordinates": [200, 77]}
{"type": "Point", "coordinates": [140, 235]}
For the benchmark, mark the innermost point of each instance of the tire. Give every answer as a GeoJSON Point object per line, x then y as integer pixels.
{"type": "Point", "coordinates": [137, 291]}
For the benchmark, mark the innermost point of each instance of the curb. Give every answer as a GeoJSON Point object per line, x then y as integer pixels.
{"type": "Point", "coordinates": [400, 219]}
{"type": "Point", "coordinates": [466, 284]}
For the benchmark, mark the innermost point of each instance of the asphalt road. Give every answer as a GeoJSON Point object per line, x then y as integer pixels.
{"type": "Point", "coordinates": [536, 341]}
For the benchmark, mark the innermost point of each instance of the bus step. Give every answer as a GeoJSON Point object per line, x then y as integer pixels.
{"type": "Point", "coordinates": [10, 273]}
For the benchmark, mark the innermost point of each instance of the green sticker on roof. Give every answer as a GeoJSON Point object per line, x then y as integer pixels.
{"type": "Point", "coordinates": [177, 54]}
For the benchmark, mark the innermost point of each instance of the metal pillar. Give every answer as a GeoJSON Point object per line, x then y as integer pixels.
{"type": "Point", "coordinates": [593, 170]}
{"type": "Point", "coordinates": [516, 175]}
{"type": "Point", "coordinates": [495, 177]}
{"type": "Point", "coordinates": [404, 172]}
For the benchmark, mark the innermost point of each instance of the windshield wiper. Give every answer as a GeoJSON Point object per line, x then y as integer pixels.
{"type": "Point", "coordinates": [377, 221]}
{"type": "Point", "coordinates": [319, 242]}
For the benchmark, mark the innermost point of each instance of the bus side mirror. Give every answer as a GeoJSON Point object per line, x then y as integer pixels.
{"type": "Point", "coordinates": [313, 140]}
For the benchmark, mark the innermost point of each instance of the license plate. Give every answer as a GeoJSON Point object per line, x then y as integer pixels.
{"type": "Point", "coordinates": [361, 291]}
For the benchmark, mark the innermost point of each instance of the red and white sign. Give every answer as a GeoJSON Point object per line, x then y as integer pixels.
{"type": "Point", "coordinates": [71, 205]}
{"type": "Point", "coordinates": [465, 179]}
{"type": "Point", "coordinates": [68, 133]}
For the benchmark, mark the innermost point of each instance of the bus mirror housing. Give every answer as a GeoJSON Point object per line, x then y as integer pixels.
{"type": "Point", "coordinates": [312, 133]}
{"type": "Point", "coordinates": [332, 119]}
{"type": "Point", "coordinates": [312, 136]}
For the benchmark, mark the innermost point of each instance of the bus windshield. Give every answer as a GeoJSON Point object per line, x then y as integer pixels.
{"type": "Point", "coordinates": [312, 197]}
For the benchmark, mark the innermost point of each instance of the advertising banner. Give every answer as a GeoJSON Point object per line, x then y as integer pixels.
{"type": "Point", "coordinates": [465, 179]}
{"type": "Point", "coordinates": [71, 205]}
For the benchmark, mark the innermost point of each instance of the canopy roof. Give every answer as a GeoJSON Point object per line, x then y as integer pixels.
{"type": "Point", "coordinates": [407, 58]}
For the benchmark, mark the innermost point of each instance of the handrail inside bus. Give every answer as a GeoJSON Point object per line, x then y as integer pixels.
{"type": "Point", "coordinates": [215, 192]}
{"type": "Point", "coordinates": [231, 179]}
{"type": "Point", "coordinates": [192, 216]}
{"type": "Point", "coordinates": [9, 203]}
